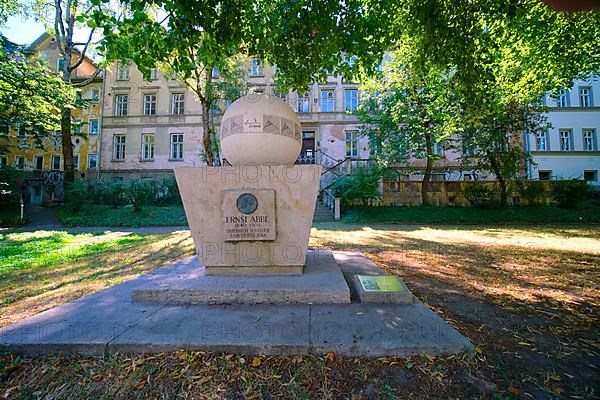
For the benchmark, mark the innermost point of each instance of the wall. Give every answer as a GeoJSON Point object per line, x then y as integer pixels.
{"type": "Point", "coordinates": [444, 194]}
{"type": "Point", "coordinates": [569, 164]}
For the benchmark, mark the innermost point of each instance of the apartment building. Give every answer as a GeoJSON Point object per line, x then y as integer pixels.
{"type": "Point", "coordinates": [45, 161]}
{"type": "Point", "coordinates": [569, 149]}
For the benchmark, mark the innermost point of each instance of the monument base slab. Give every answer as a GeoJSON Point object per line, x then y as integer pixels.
{"type": "Point", "coordinates": [321, 283]}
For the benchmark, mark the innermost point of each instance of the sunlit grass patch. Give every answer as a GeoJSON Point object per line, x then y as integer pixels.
{"type": "Point", "coordinates": [40, 270]}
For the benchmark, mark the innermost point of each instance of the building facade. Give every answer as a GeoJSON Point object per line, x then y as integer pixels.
{"type": "Point", "coordinates": [569, 149]}
{"type": "Point", "coordinates": [44, 161]}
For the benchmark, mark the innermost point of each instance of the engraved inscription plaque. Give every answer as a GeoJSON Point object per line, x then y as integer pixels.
{"type": "Point", "coordinates": [249, 215]}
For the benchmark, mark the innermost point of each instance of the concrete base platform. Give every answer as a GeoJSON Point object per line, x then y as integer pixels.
{"type": "Point", "coordinates": [108, 322]}
{"type": "Point", "coordinates": [185, 282]}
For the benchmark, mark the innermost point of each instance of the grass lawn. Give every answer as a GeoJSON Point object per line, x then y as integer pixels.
{"type": "Point", "coordinates": [43, 269]}
{"type": "Point", "coordinates": [468, 215]}
{"type": "Point", "coordinates": [527, 297]}
{"type": "Point", "coordinates": [126, 216]}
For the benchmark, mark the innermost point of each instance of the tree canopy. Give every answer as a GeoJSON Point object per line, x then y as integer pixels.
{"type": "Point", "coordinates": [31, 96]}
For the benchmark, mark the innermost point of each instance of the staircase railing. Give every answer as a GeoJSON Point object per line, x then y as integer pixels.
{"type": "Point", "coordinates": [331, 202]}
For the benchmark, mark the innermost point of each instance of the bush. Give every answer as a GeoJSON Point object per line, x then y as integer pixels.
{"type": "Point", "coordinates": [141, 193]}
{"type": "Point", "coordinates": [168, 192]}
{"type": "Point", "coordinates": [568, 194]}
{"type": "Point", "coordinates": [10, 187]}
{"type": "Point", "coordinates": [111, 193]}
{"type": "Point", "coordinates": [481, 195]}
{"type": "Point", "coordinates": [362, 185]}
{"type": "Point", "coordinates": [77, 195]}
{"type": "Point", "coordinates": [532, 191]}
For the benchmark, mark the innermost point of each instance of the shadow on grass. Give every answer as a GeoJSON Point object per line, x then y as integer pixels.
{"type": "Point", "coordinates": [84, 270]}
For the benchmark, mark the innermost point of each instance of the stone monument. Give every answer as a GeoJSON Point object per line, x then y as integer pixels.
{"type": "Point", "coordinates": [253, 216]}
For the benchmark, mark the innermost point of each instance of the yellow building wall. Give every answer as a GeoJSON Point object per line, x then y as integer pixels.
{"type": "Point", "coordinates": [12, 146]}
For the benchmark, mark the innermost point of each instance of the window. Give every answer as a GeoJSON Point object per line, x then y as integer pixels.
{"type": "Point", "coordinates": [351, 143]}
{"type": "Point", "coordinates": [215, 72]}
{"type": "Point", "coordinates": [118, 147]}
{"type": "Point", "coordinates": [176, 146]}
{"type": "Point", "coordinates": [150, 104]}
{"type": "Point", "coordinates": [351, 99]}
{"type": "Point", "coordinates": [55, 162]}
{"type": "Point", "coordinates": [20, 128]}
{"type": "Point", "coordinates": [544, 175]}
{"type": "Point", "coordinates": [147, 146]}
{"type": "Point", "coordinates": [3, 161]}
{"type": "Point", "coordinates": [60, 64]}
{"type": "Point", "coordinates": [95, 96]}
{"type": "Point", "coordinates": [76, 126]}
{"type": "Point", "coordinates": [121, 105]}
{"type": "Point", "coordinates": [590, 176]}
{"type": "Point", "coordinates": [303, 104]}
{"type": "Point", "coordinates": [20, 162]}
{"type": "Point", "coordinates": [589, 140]}
{"type": "Point", "coordinates": [228, 102]}
{"type": "Point", "coordinates": [563, 98]}
{"type": "Point", "coordinates": [585, 96]}
{"type": "Point", "coordinates": [153, 74]}
{"type": "Point", "coordinates": [541, 141]}
{"type": "Point", "coordinates": [178, 102]}
{"type": "Point", "coordinates": [92, 161]}
{"type": "Point", "coordinates": [256, 68]}
{"type": "Point", "coordinates": [566, 139]}
{"type": "Point", "coordinates": [76, 162]}
{"type": "Point", "coordinates": [39, 162]}
{"type": "Point", "coordinates": [438, 149]}
{"type": "Point", "coordinates": [122, 71]}
{"type": "Point", "coordinates": [327, 101]}
{"type": "Point", "coordinates": [93, 126]}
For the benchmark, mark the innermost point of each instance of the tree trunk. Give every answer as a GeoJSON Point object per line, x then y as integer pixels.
{"type": "Point", "coordinates": [67, 145]}
{"type": "Point", "coordinates": [207, 134]}
{"type": "Point", "coordinates": [65, 120]}
{"type": "Point", "coordinates": [427, 174]}
{"type": "Point", "coordinates": [501, 180]}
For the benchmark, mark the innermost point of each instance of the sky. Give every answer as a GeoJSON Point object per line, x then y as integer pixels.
{"type": "Point", "coordinates": [22, 32]}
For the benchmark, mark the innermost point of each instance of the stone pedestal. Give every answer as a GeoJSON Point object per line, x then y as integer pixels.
{"type": "Point", "coordinates": [186, 283]}
{"type": "Point", "coordinates": [250, 219]}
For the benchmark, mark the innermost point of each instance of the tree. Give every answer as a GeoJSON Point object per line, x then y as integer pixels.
{"type": "Point", "coordinates": [406, 112]}
{"type": "Point", "coordinates": [535, 46]}
{"type": "Point", "coordinates": [31, 97]}
{"type": "Point", "coordinates": [65, 17]}
{"type": "Point", "coordinates": [213, 73]}
{"type": "Point", "coordinates": [302, 39]}
{"type": "Point", "coordinates": [492, 138]}
{"type": "Point", "coordinates": [9, 8]}
{"type": "Point", "coordinates": [503, 56]}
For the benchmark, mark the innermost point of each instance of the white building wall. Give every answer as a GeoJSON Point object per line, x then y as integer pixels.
{"type": "Point", "coordinates": [570, 164]}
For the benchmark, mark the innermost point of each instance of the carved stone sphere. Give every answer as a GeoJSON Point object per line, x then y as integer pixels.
{"type": "Point", "coordinates": [260, 129]}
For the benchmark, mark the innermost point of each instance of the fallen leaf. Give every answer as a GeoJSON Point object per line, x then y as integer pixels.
{"type": "Point", "coordinates": [139, 385]}
{"type": "Point", "coordinates": [256, 362]}
{"type": "Point", "coordinates": [513, 390]}
{"type": "Point", "coordinates": [330, 356]}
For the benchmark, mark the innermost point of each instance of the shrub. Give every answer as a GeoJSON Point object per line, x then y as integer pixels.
{"type": "Point", "coordinates": [568, 194]}
{"type": "Point", "coordinates": [362, 185]}
{"type": "Point", "coordinates": [141, 193]}
{"type": "Point", "coordinates": [111, 193]}
{"type": "Point", "coordinates": [532, 191]}
{"type": "Point", "coordinates": [78, 194]}
{"type": "Point", "coordinates": [168, 192]}
{"type": "Point", "coordinates": [481, 195]}
{"type": "Point", "coordinates": [11, 180]}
